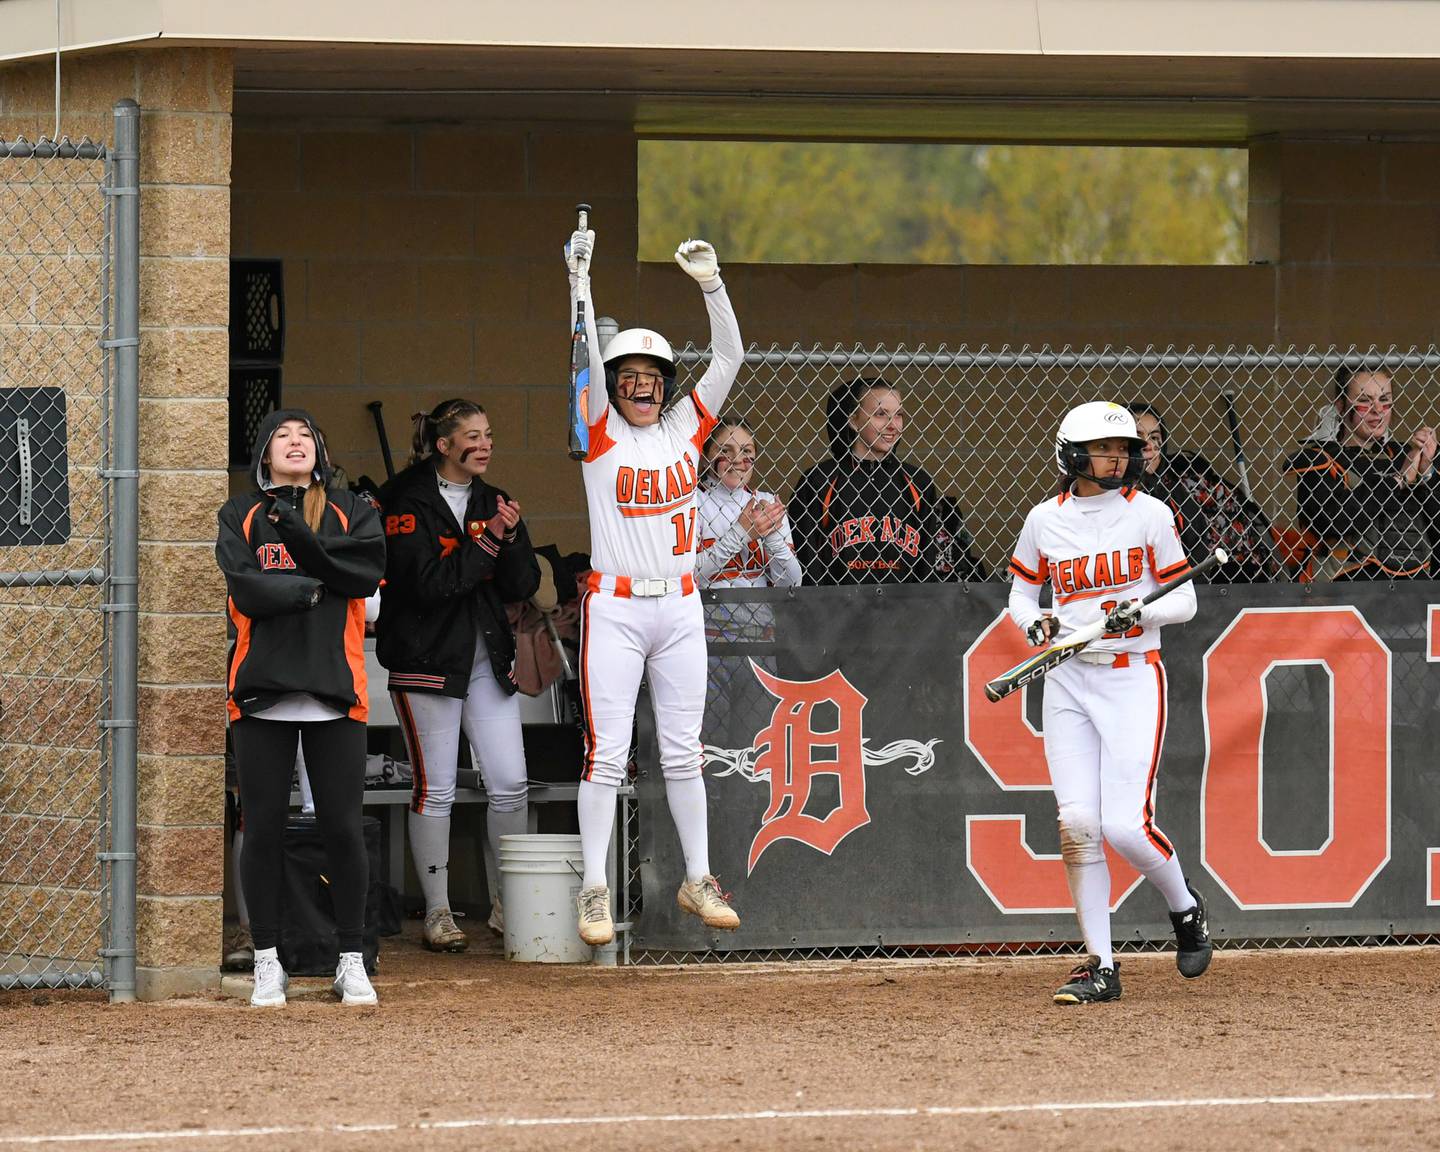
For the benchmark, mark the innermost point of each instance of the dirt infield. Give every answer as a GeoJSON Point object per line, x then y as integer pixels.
{"type": "Point", "coordinates": [1269, 1050]}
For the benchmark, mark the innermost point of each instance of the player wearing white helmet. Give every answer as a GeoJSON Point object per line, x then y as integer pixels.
{"type": "Point", "coordinates": [1102, 544]}
{"type": "Point", "coordinates": [640, 614]}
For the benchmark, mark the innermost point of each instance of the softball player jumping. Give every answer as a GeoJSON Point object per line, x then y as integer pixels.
{"type": "Point", "coordinates": [640, 613]}
{"type": "Point", "coordinates": [1102, 544]}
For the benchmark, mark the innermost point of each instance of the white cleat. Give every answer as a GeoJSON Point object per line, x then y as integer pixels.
{"type": "Point", "coordinates": [270, 980]}
{"type": "Point", "coordinates": [593, 905]}
{"type": "Point", "coordinates": [704, 899]}
{"type": "Point", "coordinates": [351, 983]}
{"type": "Point", "coordinates": [496, 923]}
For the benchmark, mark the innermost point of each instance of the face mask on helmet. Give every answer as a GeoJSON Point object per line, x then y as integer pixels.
{"type": "Point", "coordinates": [1099, 420]}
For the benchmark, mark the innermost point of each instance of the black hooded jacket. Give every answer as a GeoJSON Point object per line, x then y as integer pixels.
{"type": "Point", "coordinates": [865, 522]}
{"type": "Point", "coordinates": [443, 581]}
{"type": "Point", "coordinates": [297, 597]}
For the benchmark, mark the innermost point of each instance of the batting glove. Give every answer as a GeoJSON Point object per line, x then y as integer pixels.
{"type": "Point", "coordinates": [1123, 617]}
{"type": "Point", "coordinates": [698, 259]}
{"type": "Point", "coordinates": [1042, 631]}
{"type": "Point", "coordinates": [580, 246]}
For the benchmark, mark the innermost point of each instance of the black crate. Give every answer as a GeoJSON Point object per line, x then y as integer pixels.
{"type": "Point", "coordinates": [254, 394]}
{"type": "Point", "coordinates": [257, 311]}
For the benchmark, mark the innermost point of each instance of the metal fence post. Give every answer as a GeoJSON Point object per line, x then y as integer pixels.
{"type": "Point", "coordinates": [123, 592]}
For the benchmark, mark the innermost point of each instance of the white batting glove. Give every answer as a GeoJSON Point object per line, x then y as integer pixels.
{"type": "Point", "coordinates": [698, 259]}
{"type": "Point", "coordinates": [580, 246]}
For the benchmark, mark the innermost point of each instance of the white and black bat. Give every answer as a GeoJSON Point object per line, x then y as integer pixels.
{"type": "Point", "coordinates": [1036, 666]}
{"type": "Point", "coordinates": [580, 362]}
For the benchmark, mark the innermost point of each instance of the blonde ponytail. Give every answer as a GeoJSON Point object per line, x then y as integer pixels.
{"type": "Point", "coordinates": [315, 501]}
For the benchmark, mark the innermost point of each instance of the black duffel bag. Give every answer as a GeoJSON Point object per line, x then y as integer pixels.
{"type": "Point", "coordinates": [308, 946]}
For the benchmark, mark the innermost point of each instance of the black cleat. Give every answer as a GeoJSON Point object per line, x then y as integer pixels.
{"type": "Point", "coordinates": [1090, 984]}
{"type": "Point", "coordinates": [1192, 938]}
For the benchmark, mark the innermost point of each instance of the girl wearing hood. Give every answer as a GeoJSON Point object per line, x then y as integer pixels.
{"type": "Point", "coordinates": [864, 516]}
{"type": "Point", "coordinates": [459, 552]}
{"type": "Point", "coordinates": [299, 561]}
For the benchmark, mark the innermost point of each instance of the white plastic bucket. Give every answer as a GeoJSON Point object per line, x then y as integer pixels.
{"type": "Point", "coordinates": [539, 880]}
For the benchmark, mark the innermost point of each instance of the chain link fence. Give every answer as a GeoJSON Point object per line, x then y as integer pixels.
{"type": "Point", "coordinates": [1305, 464]}
{"type": "Point", "coordinates": [1249, 446]}
{"type": "Point", "coordinates": [55, 560]}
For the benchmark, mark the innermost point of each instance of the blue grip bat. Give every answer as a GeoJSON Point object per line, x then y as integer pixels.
{"type": "Point", "coordinates": [580, 363]}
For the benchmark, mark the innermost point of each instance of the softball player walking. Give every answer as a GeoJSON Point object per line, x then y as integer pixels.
{"type": "Point", "coordinates": [1102, 544]}
{"type": "Point", "coordinates": [640, 613]}
{"type": "Point", "coordinates": [458, 552]}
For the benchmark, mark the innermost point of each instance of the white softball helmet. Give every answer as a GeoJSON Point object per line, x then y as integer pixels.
{"type": "Point", "coordinates": [640, 342]}
{"type": "Point", "coordinates": [1098, 420]}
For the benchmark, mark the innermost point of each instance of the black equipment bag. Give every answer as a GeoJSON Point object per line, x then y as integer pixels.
{"type": "Point", "coordinates": [307, 915]}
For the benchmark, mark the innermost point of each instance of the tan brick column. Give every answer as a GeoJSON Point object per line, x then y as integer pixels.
{"type": "Point", "coordinates": [184, 313]}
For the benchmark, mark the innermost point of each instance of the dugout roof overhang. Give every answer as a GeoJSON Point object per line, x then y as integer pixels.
{"type": "Point", "coordinates": [1220, 71]}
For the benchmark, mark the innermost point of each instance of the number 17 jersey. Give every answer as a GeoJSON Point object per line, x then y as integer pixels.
{"type": "Point", "coordinates": [641, 490]}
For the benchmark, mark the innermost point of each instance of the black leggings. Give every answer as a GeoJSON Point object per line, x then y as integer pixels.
{"type": "Point", "coordinates": [335, 763]}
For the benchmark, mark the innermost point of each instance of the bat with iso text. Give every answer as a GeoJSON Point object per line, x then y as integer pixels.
{"type": "Point", "coordinates": [1036, 666]}
{"type": "Point", "coordinates": [579, 433]}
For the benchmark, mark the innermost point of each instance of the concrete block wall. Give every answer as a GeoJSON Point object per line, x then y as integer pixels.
{"type": "Point", "coordinates": [423, 263]}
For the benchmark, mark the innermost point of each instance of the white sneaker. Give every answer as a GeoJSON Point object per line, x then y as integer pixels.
{"type": "Point", "coordinates": [496, 923]}
{"type": "Point", "coordinates": [270, 980]}
{"type": "Point", "coordinates": [704, 899]}
{"type": "Point", "coordinates": [593, 905]}
{"type": "Point", "coordinates": [351, 983]}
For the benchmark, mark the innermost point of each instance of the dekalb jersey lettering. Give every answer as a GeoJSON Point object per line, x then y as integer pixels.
{"type": "Point", "coordinates": [883, 530]}
{"type": "Point", "coordinates": [1112, 569]}
{"type": "Point", "coordinates": [274, 557]}
{"type": "Point", "coordinates": [651, 491]}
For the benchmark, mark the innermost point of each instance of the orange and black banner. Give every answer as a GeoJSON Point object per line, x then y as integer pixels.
{"type": "Point", "coordinates": [863, 791]}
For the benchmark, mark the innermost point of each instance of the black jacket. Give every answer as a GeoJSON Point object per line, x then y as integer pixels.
{"type": "Point", "coordinates": [865, 522]}
{"type": "Point", "coordinates": [1371, 527]}
{"type": "Point", "coordinates": [443, 582]}
{"type": "Point", "coordinates": [296, 597]}
{"type": "Point", "coordinates": [1211, 513]}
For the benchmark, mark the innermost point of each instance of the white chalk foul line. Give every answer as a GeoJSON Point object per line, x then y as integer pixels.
{"type": "Point", "coordinates": [501, 1122]}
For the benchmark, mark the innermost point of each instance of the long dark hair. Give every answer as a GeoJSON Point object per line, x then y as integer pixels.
{"type": "Point", "coordinates": [841, 406]}
{"type": "Point", "coordinates": [440, 422]}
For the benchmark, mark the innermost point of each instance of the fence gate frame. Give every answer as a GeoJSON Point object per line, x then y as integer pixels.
{"type": "Point", "coordinates": [118, 572]}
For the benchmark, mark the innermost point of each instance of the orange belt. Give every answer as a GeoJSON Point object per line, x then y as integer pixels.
{"type": "Point", "coordinates": [1122, 659]}
{"type": "Point", "coordinates": [627, 586]}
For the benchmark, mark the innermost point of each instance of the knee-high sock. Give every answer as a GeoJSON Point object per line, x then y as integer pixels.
{"type": "Point", "coordinates": [1169, 877]}
{"type": "Point", "coordinates": [595, 804]}
{"type": "Point", "coordinates": [1090, 889]}
{"type": "Point", "coordinates": [498, 824]}
{"type": "Point", "coordinates": [687, 809]}
{"type": "Point", "coordinates": [430, 846]}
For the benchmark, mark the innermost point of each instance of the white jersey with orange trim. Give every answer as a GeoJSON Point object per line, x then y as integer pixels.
{"type": "Point", "coordinates": [729, 558]}
{"type": "Point", "coordinates": [641, 482]}
{"type": "Point", "coordinates": [1096, 552]}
